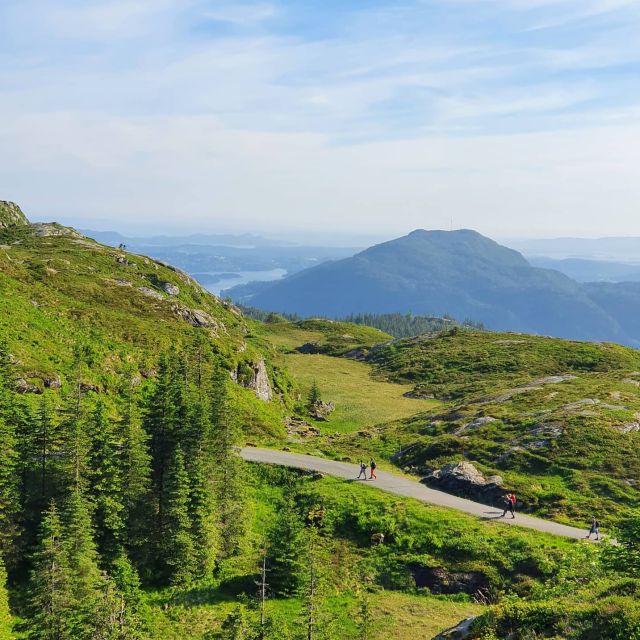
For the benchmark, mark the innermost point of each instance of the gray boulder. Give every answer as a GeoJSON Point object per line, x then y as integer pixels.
{"type": "Point", "coordinates": [461, 631]}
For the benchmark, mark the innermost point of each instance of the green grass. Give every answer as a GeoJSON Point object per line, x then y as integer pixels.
{"type": "Point", "coordinates": [515, 561]}
{"type": "Point", "coordinates": [329, 337]}
{"type": "Point", "coordinates": [361, 401]}
{"type": "Point", "coordinates": [395, 615]}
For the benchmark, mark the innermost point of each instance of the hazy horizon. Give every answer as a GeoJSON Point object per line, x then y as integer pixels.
{"type": "Point", "coordinates": [518, 118]}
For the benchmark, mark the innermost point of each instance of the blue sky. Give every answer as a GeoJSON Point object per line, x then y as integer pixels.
{"type": "Point", "coordinates": [514, 117]}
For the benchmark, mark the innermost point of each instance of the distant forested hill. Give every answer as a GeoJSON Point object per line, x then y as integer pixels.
{"type": "Point", "coordinates": [434, 273]}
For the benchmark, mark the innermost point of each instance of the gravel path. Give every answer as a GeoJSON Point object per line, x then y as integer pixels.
{"type": "Point", "coordinates": [403, 486]}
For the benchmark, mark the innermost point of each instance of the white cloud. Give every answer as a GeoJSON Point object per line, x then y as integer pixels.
{"type": "Point", "coordinates": [132, 107]}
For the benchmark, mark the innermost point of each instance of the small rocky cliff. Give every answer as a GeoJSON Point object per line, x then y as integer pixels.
{"type": "Point", "coordinates": [11, 215]}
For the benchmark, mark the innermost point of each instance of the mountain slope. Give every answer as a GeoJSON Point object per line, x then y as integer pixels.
{"type": "Point", "coordinates": [61, 292]}
{"type": "Point", "coordinates": [436, 272]}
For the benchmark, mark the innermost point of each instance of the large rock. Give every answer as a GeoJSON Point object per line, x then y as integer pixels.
{"type": "Point", "coordinates": [462, 478]}
{"type": "Point", "coordinates": [321, 410]}
{"type": "Point", "coordinates": [440, 581]}
{"type": "Point", "coordinates": [257, 380]}
{"type": "Point", "coordinates": [170, 288]}
{"type": "Point", "coordinates": [461, 631]}
{"type": "Point", "coordinates": [11, 215]}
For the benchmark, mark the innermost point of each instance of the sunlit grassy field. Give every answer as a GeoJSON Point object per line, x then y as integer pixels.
{"type": "Point", "coordinates": [361, 401]}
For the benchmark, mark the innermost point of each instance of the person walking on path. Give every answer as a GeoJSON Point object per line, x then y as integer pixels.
{"type": "Point", "coordinates": [595, 529]}
{"type": "Point", "coordinates": [363, 470]}
{"type": "Point", "coordinates": [509, 505]}
{"type": "Point", "coordinates": [372, 467]}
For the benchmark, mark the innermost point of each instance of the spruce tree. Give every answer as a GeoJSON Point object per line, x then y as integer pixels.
{"type": "Point", "coordinates": [105, 483]}
{"type": "Point", "coordinates": [5, 613]}
{"type": "Point", "coordinates": [51, 597]}
{"type": "Point", "coordinates": [314, 395]}
{"type": "Point", "coordinates": [179, 552]}
{"type": "Point", "coordinates": [75, 439]}
{"type": "Point", "coordinates": [201, 511]}
{"type": "Point", "coordinates": [44, 440]}
{"type": "Point", "coordinates": [286, 550]}
{"type": "Point", "coordinates": [85, 576]}
{"type": "Point", "coordinates": [229, 467]}
{"type": "Point", "coordinates": [236, 626]}
{"type": "Point", "coordinates": [135, 462]}
{"type": "Point", "coordinates": [9, 460]}
{"type": "Point", "coordinates": [129, 603]}
{"type": "Point", "coordinates": [160, 423]}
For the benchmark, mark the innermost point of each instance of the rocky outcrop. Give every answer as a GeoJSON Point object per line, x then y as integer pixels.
{"type": "Point", "coordinates": [461, 631]}
{"type": "Point", "coordinates": [151, 293]}
{"type": "Point", "coordinates": [24, 386]}
{"type": "Point", "coordinates": [53, 229]}
{"type": "Point", "coordinates": [441, 581]}
{"type": "Point", "coordinates": [309, 348]}
{"type": "Point", "coordinates": [196, 317]}
{"type": "Point", "coordinates": [52, 382]}
{"type": "Point", "coordinates": [11, 215]}
{"type": "Point", "coordinates": [298, 428]}
{"type": "Point", "coordinates": [526, 388]}
{"type": "Point", "coordinates": [630, 427]}
{"type": "Point", "coordinates": [255, 377]}
{"type": "Point", "coordinates": [463, 479]}
{"type": "Point", "coordinates": [170, 289]}
{"type": "Point", "coordinates": [474, 424]}
{"type": "Point", "coordinates": [320, 410]}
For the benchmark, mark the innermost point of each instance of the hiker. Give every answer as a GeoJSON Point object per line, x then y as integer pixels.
{"type": "Point", "coordinates": [372, 466]}
{"type": "Point", "coordinates": [363, 470]}
{"type": "Point", "coordinates": [509, 505]}
{"type": "Point", "coordinates": [595, 529]}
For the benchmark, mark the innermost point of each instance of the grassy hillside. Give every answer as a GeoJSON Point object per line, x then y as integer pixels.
{"type": "Point", "coordinates": [558, 420]}
{"type": "Point", "coordinates": [361, 401]}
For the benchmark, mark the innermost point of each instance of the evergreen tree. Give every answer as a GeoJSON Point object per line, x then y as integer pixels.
{"type": "Point", "coordinates": [105, 483]}
{"type": "Point", "coordinates": [75, 439]}
{"type": "Point", "coordinates": [178, 548]}
{"type": "Point", "coordinates": [44, 440]}
{"type": "Point", "coordinates": [315, 619]}
{"type": "Point", "coordinates": [236, 626]}
{"type": "Point", "coordinates": [201, 511]}
{"type": "Point", "coordinates": [129, 603]}
{"type": "Point", "coordinates": [9, 461]}
{"type": "Point", "coordinates": [285, 550]}
{"type": "Point", "coordinates": [5, 614]}
{"type": "Point", "coordinates": [229, 467]}
{"type": "Point", "coordinates": [161, 423]}
{"type": "Point", "coordinates": [135, 462]}
{"type": "Point", "coordinates": [85, 576]}
{"type": "Point", "coordinates": [314, 395]}
{"type": "Point", "coordinates": [50, 589]}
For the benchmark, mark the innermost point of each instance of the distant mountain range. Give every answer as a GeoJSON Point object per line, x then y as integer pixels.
{"type": "Point", "coordinates": [460, 273]}
{"type": "Point", "coordinates": [212, 258]}
{"type": "Point", "coordinates": [617, 249]}
{"type": "Point", "coordinates": [584, 270]}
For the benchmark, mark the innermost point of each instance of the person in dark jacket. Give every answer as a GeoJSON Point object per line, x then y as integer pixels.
{"type": "Point", "coordinates": [595, 529]}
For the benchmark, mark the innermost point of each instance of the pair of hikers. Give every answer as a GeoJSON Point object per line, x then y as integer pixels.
{"type": "Point", "coordinates": [363, 470]}
{"type": "Point", "coordinates": [510, 502]}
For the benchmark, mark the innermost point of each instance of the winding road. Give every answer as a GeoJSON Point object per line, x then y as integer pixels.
{"type": "Point", "coordinates": [403, 486]}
